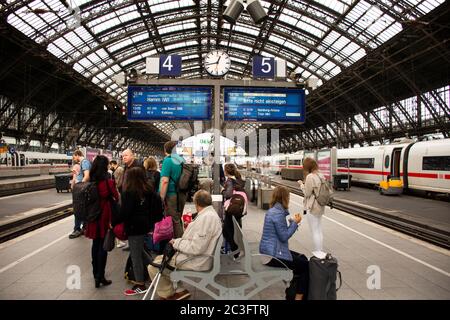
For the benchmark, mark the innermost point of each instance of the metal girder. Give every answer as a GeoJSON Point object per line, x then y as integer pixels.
{"type": "Point", "coordinates": [6, 106]}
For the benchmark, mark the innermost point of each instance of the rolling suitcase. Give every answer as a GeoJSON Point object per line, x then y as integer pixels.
{"type": "Point", "coordinates": [62, 182]}
{"type": "Point", "coordinates": [322, 278]}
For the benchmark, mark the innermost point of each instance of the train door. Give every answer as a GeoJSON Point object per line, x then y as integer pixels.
{"type": "Point", "coordinates": [395, 167]}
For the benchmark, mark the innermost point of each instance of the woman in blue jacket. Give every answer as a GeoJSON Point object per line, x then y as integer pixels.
{"type": "Point", "coordinates": [274, 241]}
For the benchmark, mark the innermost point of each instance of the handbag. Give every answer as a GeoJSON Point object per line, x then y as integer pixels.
{"type": "Point", "coordinates": [163, 230]}
{"type": "Point", "coordinates": [109, 241]}
{"type": "Point", "coordinates": [119, 231]}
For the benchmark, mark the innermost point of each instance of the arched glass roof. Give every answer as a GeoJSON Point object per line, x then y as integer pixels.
{"type": "Point", "coordinates": [317, 38]}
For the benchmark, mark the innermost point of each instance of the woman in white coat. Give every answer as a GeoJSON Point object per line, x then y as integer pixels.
{"type": "Point", "coordinates": [313, 209]}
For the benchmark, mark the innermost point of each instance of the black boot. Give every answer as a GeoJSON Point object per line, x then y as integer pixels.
{"type": "Point", "coordinates": [105, 282]}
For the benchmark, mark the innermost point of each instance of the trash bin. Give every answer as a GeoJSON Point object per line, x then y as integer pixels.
{"type": "Point", "coordinates": [62, 182]}
{"type": "Point", "coordinates": [342, 181]}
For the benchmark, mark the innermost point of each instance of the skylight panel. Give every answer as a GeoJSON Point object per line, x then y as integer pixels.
{"type": "Point", "coordinates": [334, 5]}
{"type": "Point", "coordinates": [63, 44]}
{"type": "Point", "coordinates": [173, 46]}
{"type": "Point", "coordinates": [288, 19]}
{"type": "Point", "coordinates": [131, 60]}
{"type": "Point", "coordinates": [119, 45]}
{"type": "Point", "coordinates": [55, 51]}
{"type": "Point", "coordinates": [105, 25]}
{"type": "Point", "coordinates": [427, 6]}
{"type": "Point", "coordinates": [74, 39]}
{"type": "Point", "coordinates": [240, 46]}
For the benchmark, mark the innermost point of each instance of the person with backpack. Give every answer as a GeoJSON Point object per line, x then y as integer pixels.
{"type": "Point", "coordinates": [152, 174]}
{"type": "Point", "coordinates": [235, 203]}
{"type": "Point", "coordinates": [97, 229]}
{"type": "Point", "coordinates": [314, 189]}
{"type": "Point", "coordinates": [274, 243]}
{"type": "Point", "coordinates": [82, 176]}
{"type": "Point", "coordinates": [173, 198]}
{"type": "Point", "coordinates": [139, 211]}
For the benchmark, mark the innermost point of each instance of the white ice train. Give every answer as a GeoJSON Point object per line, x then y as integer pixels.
{"type": "Point", "coordinates": [423, 165]}
{"type": "Point", "coordinates": [34, 159]}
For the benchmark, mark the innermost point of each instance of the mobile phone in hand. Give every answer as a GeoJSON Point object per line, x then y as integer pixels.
{"type": "Point", "coordinates": [305, 212]}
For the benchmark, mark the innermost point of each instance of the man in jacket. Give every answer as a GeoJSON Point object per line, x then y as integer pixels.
{"type": "Point", "coordinates": [200, 238]}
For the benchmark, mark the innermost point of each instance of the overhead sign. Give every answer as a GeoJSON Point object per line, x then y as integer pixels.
{"type": "Point", "coordinates": [263, 67]}
{"type": "Point", "coordinates": [169, 103]}
{"type": "Point", "coordinates": [170, 65]}
{"type": "Point", "coordinates": [281, 105]}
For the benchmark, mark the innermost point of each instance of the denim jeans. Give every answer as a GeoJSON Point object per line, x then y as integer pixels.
{"type": "Point", "coordinates": [138, 257]}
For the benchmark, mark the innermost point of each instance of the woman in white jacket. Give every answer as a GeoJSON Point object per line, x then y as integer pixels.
{"type": "Point", "coordinates": [315, 211]}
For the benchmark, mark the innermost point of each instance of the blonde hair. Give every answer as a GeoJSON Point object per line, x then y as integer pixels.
{"type": "Point", "coordinates": [280, 195]}
{"type": "Point", "coordinates": [150, 164]}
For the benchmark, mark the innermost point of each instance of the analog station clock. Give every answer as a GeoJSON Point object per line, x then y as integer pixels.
{"type": "Point", "coordinates": [217, 63]}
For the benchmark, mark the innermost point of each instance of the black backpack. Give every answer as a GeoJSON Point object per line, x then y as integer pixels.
{"type": "Point", "coordinates": [188, 177]}
{"type": "Point", "coordinates": [92, 209]}
{"type": "Point", "coordinates": [150, 177]}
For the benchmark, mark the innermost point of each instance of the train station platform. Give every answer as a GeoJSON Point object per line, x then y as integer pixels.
{"type": "Point", "coordinates": [25, 184]}
{"type": "Point", "coordinates": [422, 211]}
{"type": "Point", "coordinates": [38, 265]}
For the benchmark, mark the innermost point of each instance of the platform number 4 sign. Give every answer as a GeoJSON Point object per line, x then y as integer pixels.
{"type": "Point", "coordinates": [169, 65]}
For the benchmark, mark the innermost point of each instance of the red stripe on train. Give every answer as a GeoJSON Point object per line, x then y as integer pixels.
{"type": "Point", "coordinates": [364, 171]}
{"type": "Point", "coordinates": [410, 174]}
{"type": "Point", "coordinates": [447, 176]}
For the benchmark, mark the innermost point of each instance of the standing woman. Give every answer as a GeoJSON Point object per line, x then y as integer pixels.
{"type": "Point", "coordinates": [97, 230]}
{"type": "Point", "coordinates": [152, 173]}
{"type": "Point", "coordinates": [274, 241]}
{"type": "Point", "coordinates": [315, 211]}
{"type": "Point", "coordinates": [140, 209]}
{"type": "Point", "coordinates": [233, 182]}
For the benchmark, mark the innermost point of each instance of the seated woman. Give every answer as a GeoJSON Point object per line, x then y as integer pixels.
{"type": "Point", "coordinates": [274, 241]}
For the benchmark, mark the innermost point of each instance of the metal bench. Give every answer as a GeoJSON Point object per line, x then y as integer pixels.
{"type": "Point", "coordinates": [259, 275]}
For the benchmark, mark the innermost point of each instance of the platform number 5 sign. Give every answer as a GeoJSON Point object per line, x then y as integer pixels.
{"type": "Point", "coordinates": [170, 65]}
{"type": "Point", "coordinates": [263, 67]}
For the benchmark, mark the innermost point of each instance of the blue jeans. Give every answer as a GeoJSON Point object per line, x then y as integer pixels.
{"type": "Point", "coordinates": [78, 223]}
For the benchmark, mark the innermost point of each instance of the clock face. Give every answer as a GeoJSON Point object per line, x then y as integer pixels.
{"type": "Point", "coordinates": [217, 63]}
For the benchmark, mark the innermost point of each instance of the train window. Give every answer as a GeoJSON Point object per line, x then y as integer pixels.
{"type": "Point", "coordinates": [440, 163]}
{"type": "Point", "coordinates": [282, 162]}
{"type": "Point", "coordinates": [362, 163]}
{"type": "Point", "coordinates": [295, 162]}
{"type": "Point", "coordinates": [343, 163]}
{"type": "Point", "coordinates": [386, 162]}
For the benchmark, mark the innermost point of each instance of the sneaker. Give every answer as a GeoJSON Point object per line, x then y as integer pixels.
{"type": "Point", "coordinates": [75, 234]}
{"type": "Point", "coordinates": [137, 289]}
{"type": "Point", "coordinates": [179, 296]}
{"type": "Point", "coordinates": [121, 244]}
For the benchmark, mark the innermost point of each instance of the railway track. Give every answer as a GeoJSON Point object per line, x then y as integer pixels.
{"type": "Point", "coordinates": [17, 228]}
{"type": "Point", "coordinates": [417, 230]}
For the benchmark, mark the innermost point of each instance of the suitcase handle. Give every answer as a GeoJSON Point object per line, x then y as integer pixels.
{"type": "Point", "coordinates": [340, 280]}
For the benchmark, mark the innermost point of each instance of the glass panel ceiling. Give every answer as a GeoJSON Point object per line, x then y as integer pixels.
{"type": "Point", "coordinates": [318, 38]}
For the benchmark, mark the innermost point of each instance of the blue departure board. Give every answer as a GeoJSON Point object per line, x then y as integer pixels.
{"type": "Point", "coordinates": [264, 104]}
{"type": "Point", "coordinates": [169, 103]}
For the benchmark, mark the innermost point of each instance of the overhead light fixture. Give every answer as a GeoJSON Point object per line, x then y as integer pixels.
{"type": "Point", "coordinates": [254, 8]}
{"type": "Point", "coordinates": [256, 11]}
{"type": "Point", "coordinates": [233, 11]}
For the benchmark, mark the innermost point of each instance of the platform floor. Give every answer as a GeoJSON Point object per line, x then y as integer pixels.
{"type": "Point", "coordinates": [38, 265]}
{"type": "Point", "coordinates": [430, 212]}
